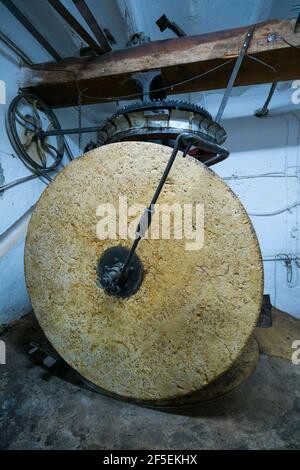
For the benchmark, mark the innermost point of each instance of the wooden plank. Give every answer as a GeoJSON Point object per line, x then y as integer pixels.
{"type": "Point", "coordinates": [179, 59]}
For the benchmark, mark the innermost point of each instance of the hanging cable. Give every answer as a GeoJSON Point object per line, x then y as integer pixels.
{"type": "Point", "coordinates": [261, 62]}
{"type": "Point", "coordinates": [292, 274]}
{"type": "Point", "coordinates": [287, 42]}
{"type": "Point", "coordinates": [134, 95]}
{"type": "Point", "coordinates": [278, 211]}
{"type": "Point", "coordinates": [262, 175]}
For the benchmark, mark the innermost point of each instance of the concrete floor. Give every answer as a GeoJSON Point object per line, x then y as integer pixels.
{"type": "Point", "coordinates": [42, 412]}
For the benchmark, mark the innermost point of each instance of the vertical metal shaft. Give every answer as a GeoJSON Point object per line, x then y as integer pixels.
{"type": "Point", "coordinates": [234, 73]}
{"type": "Point", "coordinates": [146, 218]}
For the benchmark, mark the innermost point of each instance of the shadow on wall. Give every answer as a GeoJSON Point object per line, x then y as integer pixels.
{"type": "Point", "coordinates": [249, 133]}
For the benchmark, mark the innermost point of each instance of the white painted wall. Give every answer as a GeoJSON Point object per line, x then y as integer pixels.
{"type": "Point", "coordinates": [15, 202]}
{"type": "Point", "coordinates": [259, 147]}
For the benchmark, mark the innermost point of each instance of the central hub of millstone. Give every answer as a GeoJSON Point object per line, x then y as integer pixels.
{"type": "Point", "coordinates": [109, 268]}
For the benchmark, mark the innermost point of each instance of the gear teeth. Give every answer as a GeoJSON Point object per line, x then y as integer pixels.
{"type": "Point", "coordinates": [177, 104]}
{"type": "Point", "coordinates": [121, 121]}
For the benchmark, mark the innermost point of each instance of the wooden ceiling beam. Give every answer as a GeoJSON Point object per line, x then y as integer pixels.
{"type": "Point", "coordinates": [16, 12]}
{"type": "Point", "coordinates": [71, 21]}
{"type": "Point", "coordinates": [88, 16]}
{"type": "Point", "coordinates": [179, 59]}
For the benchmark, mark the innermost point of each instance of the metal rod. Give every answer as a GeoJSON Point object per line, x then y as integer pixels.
{"type": "Point", "coordinates": [262, 112]}
{"type": "Point", "coordinates": [11, 184]}
{"type": "Point", "coordinates": [88, 16]}
{"type": "Point", "coordinates": [75, 130]}
{"type": "Point", "coordinates": [205, 145]}
{"type": "Point", "coordinates": [29, 26]}
{"type": "Point", "coordinates": [71, 20]}
{"type": "Point", "coordinates": [282, 258]}
{"type": "Point", "coordinates": [146, 220]}
{"type": "Point", "coordinates": [234, 73]}
{"type": "Point", "coordinates": [187, 140]}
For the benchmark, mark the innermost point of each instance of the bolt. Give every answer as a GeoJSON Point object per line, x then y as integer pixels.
{"type": "Point", "coordinates": [272, 37]}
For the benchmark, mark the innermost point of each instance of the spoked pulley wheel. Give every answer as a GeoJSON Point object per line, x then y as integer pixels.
{"type": "Point", "coordinates": [28, 117]}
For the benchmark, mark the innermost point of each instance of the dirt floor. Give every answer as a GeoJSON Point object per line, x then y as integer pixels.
{"type": "Point", "coordinates": [40, 409]}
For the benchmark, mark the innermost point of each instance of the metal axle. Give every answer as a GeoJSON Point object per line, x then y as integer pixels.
{"type": "Point", "coordinates": [115, 278]}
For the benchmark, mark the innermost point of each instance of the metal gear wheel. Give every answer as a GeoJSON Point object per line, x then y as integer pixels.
{"type": "Point", "coordinates": [161, 122]}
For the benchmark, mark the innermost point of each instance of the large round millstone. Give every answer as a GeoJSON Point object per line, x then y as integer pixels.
{"type": "Point", "coordinates": [195, 310]}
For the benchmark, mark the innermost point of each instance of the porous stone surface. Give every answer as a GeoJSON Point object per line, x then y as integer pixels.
{"type": "Point", "coordinates": [233, 378]}
{"type": "Point", "coordinates": [195, 310]}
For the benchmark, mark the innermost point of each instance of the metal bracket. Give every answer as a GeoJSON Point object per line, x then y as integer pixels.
{"type": "Point", "coordinates": [234, 73]}
{"type": "Point", "coordinates": [164, 23]}
{"type": "Point", "coordinates": [263, 112]}
{"type": "Point", "coordinates": [144, 80]}
{"type": "Point", "coordinates": [45, 354]}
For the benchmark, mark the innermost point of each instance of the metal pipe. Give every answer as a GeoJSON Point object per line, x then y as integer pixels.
{"type": "Point", "coordinates": [12, 235]}
{"type": "Point", "coordinates": [15, 48]}
{"type": "Point", "coordinates": [263, 112]}
{"type": "Point", "coordinates": [29, 26]}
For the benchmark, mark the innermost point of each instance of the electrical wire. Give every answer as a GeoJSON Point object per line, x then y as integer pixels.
{"type": "Point", "coordinates": [287, 42]}
{"type": "Point", "coordinates": [82, 94]}
{"type": "Point", "coordinates": [262, 175]}
{"type": "Point", "coordinates": [134, 95]}
{"type": "Point", "coordinates": [265, 175]}
{"type": "Point", "coordinates": [278, 211]}
{"type": "Point", "coordinates": [111, 99]}
{"type": "Point", "coordinates": [137, 95]}
{"type": "Point", "coordinates": [169, 87]}
{"type": "Point", "coordinates": [261, 62]}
